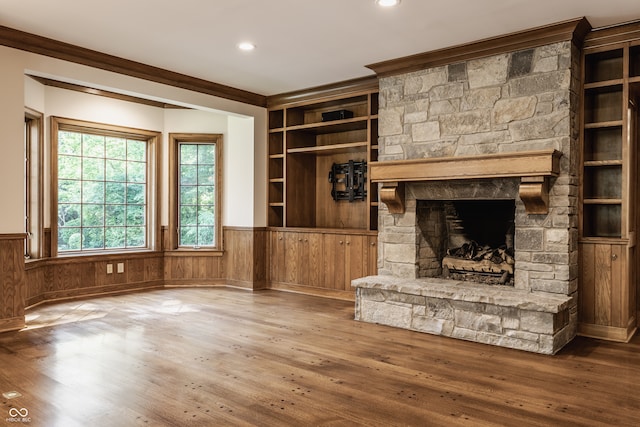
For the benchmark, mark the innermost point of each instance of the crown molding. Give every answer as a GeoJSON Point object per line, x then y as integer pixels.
{"type": "Point", "coordinates": [105, 93]}
{"type": "Point", "coordinates": [55, 49]}
{"type": "Point", "coordinates": [362, 84]}
{"type": "Point", "coordinates": [574, 30]}
{"type": "Point", "coordinates": [621, 33]}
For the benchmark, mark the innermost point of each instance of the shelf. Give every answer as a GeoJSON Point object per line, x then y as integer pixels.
{"type": "Point", "coordinates": [598, 125]}
{"type": "Point", "coordinates": [276, 130]}
{"type": "Point", "coordinates": [596, 163]}
{"type": "Point", "coordinates": [602, 201]}
{"type": "Point", "coordinates": [603, 84]}
{"type": "Point", "coordinates": [276, 180]}
{"type": "Point", "coordinates": [276, 204]}
{"type": "Point", "coordinates": [276, 156]}
{"type": "Point", "coordinates": [352, 147]}
{"type": "Point", "coordinates": [321, 128]}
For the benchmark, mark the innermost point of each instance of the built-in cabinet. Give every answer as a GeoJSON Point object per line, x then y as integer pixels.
{"type": "Point", "coordinates": [320, 261]}
{"type": "Point", "coordinates": [319, 244]}
{"type": "Point", "coordinates": [609, 191]}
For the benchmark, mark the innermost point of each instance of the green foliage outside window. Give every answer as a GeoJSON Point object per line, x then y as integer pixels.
{"type": "Point", "coordinates": [197, 194]}
{"type": "Point", "coordinates": [101, 192]}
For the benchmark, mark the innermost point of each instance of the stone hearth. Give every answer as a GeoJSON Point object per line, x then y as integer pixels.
{"type": "Point", "coordinates": [438, 129]}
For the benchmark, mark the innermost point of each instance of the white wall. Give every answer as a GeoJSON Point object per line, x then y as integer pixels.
{"type": "Point", "coordinates": [243, 127]}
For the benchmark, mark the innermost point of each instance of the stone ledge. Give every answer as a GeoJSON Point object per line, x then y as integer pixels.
{"type": "Point", "coordinates": [469, 292]}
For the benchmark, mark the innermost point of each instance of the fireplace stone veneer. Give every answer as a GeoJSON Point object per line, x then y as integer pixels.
{"type": "Point", "coordinates": [491, 107]}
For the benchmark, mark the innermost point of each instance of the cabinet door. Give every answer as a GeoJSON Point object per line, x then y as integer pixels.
{"type": "Point", "coordinates": [276, 256]}
{"type": "Point", "coordinates": [292, 248]}
{"type": "Point", "coordinates": [605, 290]}
{"type": "Point", "coordinates": [356, 259]}
{"type": "Point", "coordinates": [334, 261]}
{"type": "Point", "coordinates": [313, 263]}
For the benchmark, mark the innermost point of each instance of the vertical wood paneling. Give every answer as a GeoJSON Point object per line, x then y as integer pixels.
{"type": "Point", "coordinates": [355, 259]}
{"type": "Point", "coordinates": [315, 260]}
{"type": "Point", "coordinates": [586, 292]}
{"type": "Point", "coordinates": [12, 281]}
{"type": "Point", "coordinates": [619, 286]}
{"type": "Point", "coordinates": [603, 284]}
{"type": "Point", "coordinates": [291, 248]}
{"type": "Point", "coordinates": [276, 256]}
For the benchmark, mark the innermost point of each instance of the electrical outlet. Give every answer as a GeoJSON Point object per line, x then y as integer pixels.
{"type": "Point", "coordinates": [109, 268]}
{"type": "Point", "coordinates": [121, 267]}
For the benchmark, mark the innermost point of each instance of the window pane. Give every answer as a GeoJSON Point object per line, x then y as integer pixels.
{"type": "Point", "coordinates": [136, 172]}
{"type": "Point", "coordinates": [92, 215]}
{"type": "Point", "coordinates": [115, 192]}
{"type": "Point", "coordinates": [135, 193]}
{"type": "Point", "coordinates": [116, 148]}
{"type": "Point", "coordinates": [115, 237]}
{"type": "Point", "coordinates": [206, 175]}
{"type": "Point", "coordinates": [93, 238]}
{"type": "Point", "coordinates": [188, 215]}
{"type": "Point", "coordinates": [68, 215]}
{"type": "Point", "coordinates": [206, 195]}
{"type": "Point", "coordinates": [69, 239]}
{"type": "Point", "coordinates": [189, 174]}
{"type": "Point", "coordinates": [188, 154]}
{"type": "Point", "coordinates": [116, 170]}
{"type": "Point", "coordinates": [206, 154]}
{"type": "Point", "coordinates": [69, 143]}
{"type": "Point", "coordinates": [206, 215]}
{"type": "Point", "coordinates": [188, 195]}
{"type": "Point", "coordinates": [69, 167]}
{"type": "Point", "coordinates": [115, 215]}
{"type": "Point", "coordinates": [93, 192]}
{"type": "Point", "coordinates": [93, 169]}
{"type": "Point", "coordinates": [93, 146]}
{"type": "Point", "coordinates": [135, 236]}
{"type": "Point", "coordinates": [189, 236]}
{"type": "Point", "coordinates": [135, 215]}
{"type": "Point", "coordinates": [136, 150]}
{"type": "Point", "coordinates": [206, 236]}
{"type": "Point", "coordinates": [69, 191]}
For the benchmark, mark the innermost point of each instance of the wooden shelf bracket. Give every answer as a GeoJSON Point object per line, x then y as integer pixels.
{"type": "Point", "coordinates": [392, 194]}
{"type": "Point", "coordinates": [534, 193]}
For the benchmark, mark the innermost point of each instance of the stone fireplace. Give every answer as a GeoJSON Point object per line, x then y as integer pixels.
{"type": "Point", "coordinates": [497, 133]}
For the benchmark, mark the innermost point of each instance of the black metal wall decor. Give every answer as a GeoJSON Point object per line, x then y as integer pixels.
{"type": "Point", "coordinates": [348, 181]}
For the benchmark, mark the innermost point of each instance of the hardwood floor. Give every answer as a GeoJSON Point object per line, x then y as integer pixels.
{"type": "Point", "coordinates": [209, 357]}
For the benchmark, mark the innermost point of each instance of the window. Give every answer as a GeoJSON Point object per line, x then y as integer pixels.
{"type": "Point", "coordinates": [33, 226]}
{"type": "Point", "coordinates": [104, 187]}
{"type": "Point", "coordinates": [195, 190]}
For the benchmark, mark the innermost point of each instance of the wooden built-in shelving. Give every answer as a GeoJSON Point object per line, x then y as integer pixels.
{"type": "Point", "coordinates": [609, 191]}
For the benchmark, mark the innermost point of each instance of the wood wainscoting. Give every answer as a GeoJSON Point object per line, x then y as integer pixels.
{"type": "Point", "coordinates": [12, 281]}
{"type": "Point", "coordinates": [28, 283]}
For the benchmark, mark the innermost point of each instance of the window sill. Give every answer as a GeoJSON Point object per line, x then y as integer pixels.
{"type": "Point", "coordinates": [194, 252]}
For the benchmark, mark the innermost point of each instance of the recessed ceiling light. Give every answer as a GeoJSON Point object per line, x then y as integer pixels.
{"type": "Point", "coordinates": [387, 3]}
{"type": "Point", "coordinates": [246, 46]}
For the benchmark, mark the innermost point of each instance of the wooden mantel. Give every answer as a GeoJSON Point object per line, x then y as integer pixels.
{"type": "Point", "coordinates": [532, 167]}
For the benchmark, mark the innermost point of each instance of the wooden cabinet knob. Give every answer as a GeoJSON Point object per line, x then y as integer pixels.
{"type": "Point", "coordinates": [341, 242]}
{"type": "Point", "coordinates": [373, 243]}
{"type": "Point", "coordinates": [614, 257]}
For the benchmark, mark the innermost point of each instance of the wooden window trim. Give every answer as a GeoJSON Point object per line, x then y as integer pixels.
{"type": "Point", "coordinates": [153, 140]}
{"type": "Point", "coordinates": [175, 139]}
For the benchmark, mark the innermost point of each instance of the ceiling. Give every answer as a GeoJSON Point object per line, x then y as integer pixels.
{"type": "Point", "coordinates": [300, 43]}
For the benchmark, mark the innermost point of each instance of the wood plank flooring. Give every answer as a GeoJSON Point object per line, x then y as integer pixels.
{"type": "Point", "coordinates": [228, 357]}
